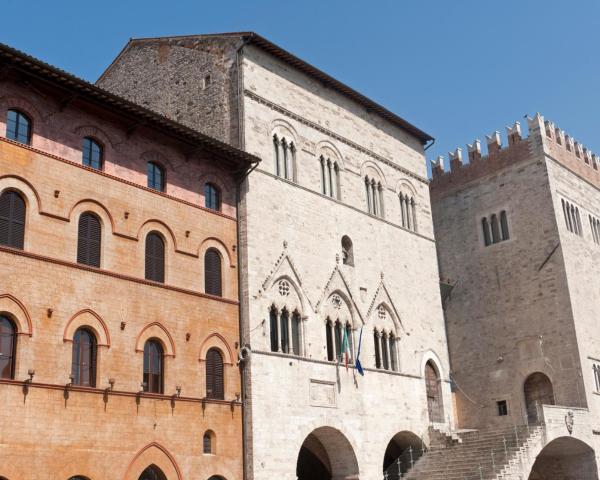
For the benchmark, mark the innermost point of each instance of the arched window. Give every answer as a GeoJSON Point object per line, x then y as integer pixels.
{"type": "Point", "coordinates": [347, 251]}
{"type": "Point", "coordinates": [155, 257]}
{"type": "Point", "coordinates": [434, 396]}
{"type": "Point", "coordinates": [212, 197]}
{"type": "Point", "coordinates": [350, 347]}
{"type": "Point", "coordinates": [538, 391]}
{"type": "Point", "coordinates": [8, 347]}
{"type": "Point", "coordinates": [83, 363]}
{"type": "Point", "coordinates": [214, 375]}
{"type": "Point", "coordinates": [152, 473]}
{"type": "Point", "coordinates": [338, 339]}
{"type": "Point", "coordinates": [376, 341]}
{"type": "Point", "coordinates": [156, 177]}
{"type": "Point", "coordinates": [212, 272]}
{"type": "Point", "coordinates": [329, 339]}
{"type": "Point", "coordinates": [408, 212]}
{"type": "Point", "coordinates": [76, 477]}
{"type": "Point", "coordinates": [485, 225]}
{"type": "Point", "coordinates": [153, 366]}
{"type": "Point", "coordinates": [296, 327]}
{"type": "Point", "coordinates": [208, 446]}
{"type": "Point", "coordinates": [504, 225]}
{"type": "Point", "coordinates": [274, 330]}
{"type": "Point", "coordinates": [393, 353]}
{"type": "Point", "coordinates": [384, 351]}
{"type": "Point", "coordinates": [18, 127]}
{"type": "Point", "coordinates": [495, 229]}
{"type": "Point", "coordinates": [12, 219]}
{"type": "Point", "coordinates": [374, 191]}
{"type": "Point", "coordinates": [330, 177]}
{"type": "Point", "coordinates": [92, 153]}
{"type": "Point", "coordinates": [285, 157]}
{"type": "Point", "coordinates": [89, 240]}
{"type": "Point", "coordinates": [285, 334]}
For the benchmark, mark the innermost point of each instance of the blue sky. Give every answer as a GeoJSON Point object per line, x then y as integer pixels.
{"type": "Point", "coordinates": [456, 69]}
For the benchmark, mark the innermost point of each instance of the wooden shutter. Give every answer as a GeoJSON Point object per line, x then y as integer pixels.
{"type": "Point", "coordinates": [89, 240]}
{"type": "Point", "coordinates": [214, 375]}
{"type": "Point", "coordinates": [12, 220]}
{"type": "Point", "coordinates": [212, 272]}
{"type": "Point", "coordinates": [155, 258]}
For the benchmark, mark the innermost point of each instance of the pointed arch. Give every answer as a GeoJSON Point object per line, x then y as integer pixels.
{"type": "Point", "coordinates": [216, 340]}
{"type": "Point", "coordinates": [156, 330]}
{"type": "Point", "coordinates": [18, 312]}
{"type": "Point", "coordinates": [431, 357]}
{"type": "Point", "coordinates": [153, 454]}
{"type": "Point", "coordinates": [371, 169]}
{"type": "Point", "coordinates": [90, 319]}
{"type": "Point", "coordinates": [325, 146]}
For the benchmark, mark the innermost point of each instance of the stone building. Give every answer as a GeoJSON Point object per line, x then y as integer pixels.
{"type": "Point", "coordinates": [119, 311]}
{"type": "Point", "coordinates": [518, 237]}
{"type": "Point", "coordinates": [336, 240]}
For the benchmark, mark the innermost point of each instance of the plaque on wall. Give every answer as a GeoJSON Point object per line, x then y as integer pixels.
{"type": "Point", "coordinates": [322, 393]}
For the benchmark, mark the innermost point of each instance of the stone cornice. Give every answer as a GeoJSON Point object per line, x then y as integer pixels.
{"type": "Point", "coordinates": [350, 143]}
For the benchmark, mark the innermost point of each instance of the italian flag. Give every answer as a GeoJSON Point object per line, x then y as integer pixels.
{"type": "Point", "coordinates": [345, 351]}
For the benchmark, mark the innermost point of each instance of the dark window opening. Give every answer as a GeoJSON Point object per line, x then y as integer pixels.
{"type": "Point", "coordinates": [83, 367]}
{"type": "Point", "coordinates": [502, 408]}
{"type": "Point", "coordinates": [89, 240]}
{"type": "Point", "coordinates": [92, 153]}
{"type": "Point", "coordinates": [214, 375]}
{"type": "Point", "coordinates": [12, 219]}
{"type": "Point", "coordinates": [18, 127]}
{"type": "Point", "coordinates": [156, 177]}
{"type": "Point", "coordinates": [212, 272]}
{"type": "Point", "coordinates": [212, 197]}
{"type": "Point", "coordinates": [155, 257]}
{"type": "Point", "coordinates": [153, 367]}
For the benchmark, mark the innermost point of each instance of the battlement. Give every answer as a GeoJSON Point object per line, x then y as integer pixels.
{"type": "Point", "coordinates": [544, 138]}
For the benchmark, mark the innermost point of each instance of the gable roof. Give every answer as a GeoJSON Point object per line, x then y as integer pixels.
{"type": "Point", "coordinates": [305, 67]}
{"type": "Point", "coordinates": [12, 58]}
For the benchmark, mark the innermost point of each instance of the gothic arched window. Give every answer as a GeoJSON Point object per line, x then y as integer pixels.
{"type": "Point", "coordinates": [153, 366]}
{"type": "Point", "coordinates": [214, 375]}
{"type": "Point", "coordinates": [83, 366]}
{"type": "Point", "coordinates": [8, 347]}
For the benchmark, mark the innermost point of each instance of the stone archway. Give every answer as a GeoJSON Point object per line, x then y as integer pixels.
{"type": "Point", "coordinates": [326, 454]}
{"type": "Point", "coordinates": [538, 391]}
{"type": "Point", "coordinates": [402, 451]}
{"type": "Point", "coordinates": [565, 458]}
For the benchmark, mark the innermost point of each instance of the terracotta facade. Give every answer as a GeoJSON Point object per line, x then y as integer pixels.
{"type": "Point", "coordinates": [50, 428]}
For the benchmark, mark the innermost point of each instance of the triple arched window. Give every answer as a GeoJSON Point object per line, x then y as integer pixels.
{"type": "Point", "coordinates": [408, 212]}
{"type": "Point", "coordinates": [215, 385]}
{"type": "Point", "coordinates": [153, 380]}
{"type": "Point", "coordinates": [285, 157]}
{"type": "Point", "coordinates": [12, 219]}
{"type": "Point", "coordinates": [386, 354]}
{"type": "Point", "coordinates": [155, 257]}
{"type": "Point", "coordinates": [374, 191]}
{"type": "Point", "coordinates": [495, 228]}
{"type": "Point", "coordinates": [8, 347]}
{"type": "Point", "coordinates": [285, 329]}
{"type": "Point", "coordinates": [92, 153]}
{"type": "Point", "coordinates": [213, 281]}
{"type": "Point", "coordinates": [330, 177]}
{"type": "Point", "coordinates": [18, 127]}
{"type": "Point", "coordinates": [572, 218]}
{"type": "Point", "coordinates": [83, 363]}
{"type": "Point", "coordinates": [338, 336]}
{"type": "Point", "coordinates": [89, 240]}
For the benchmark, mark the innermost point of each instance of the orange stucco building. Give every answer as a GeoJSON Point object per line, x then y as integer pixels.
{"type": "Point", "coordinates": [119, 322]}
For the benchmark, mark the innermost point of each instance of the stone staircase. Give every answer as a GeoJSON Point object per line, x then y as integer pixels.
{"type": "Point", "coordinates": [492, 454]}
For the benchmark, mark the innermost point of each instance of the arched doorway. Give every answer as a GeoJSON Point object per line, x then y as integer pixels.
{"type": "Point", "coordinates": [404, 449]}
{"type": "Point", "coordinates": [326, 454]}
{"type": "Point", "coordinates": [435, 405]}
{"type": "Point", "coordinates": [153, 473]}
{"type": "Point", "coordinates": [565, 458]}
{"type": "Point", "coordinates": [538, 391]}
